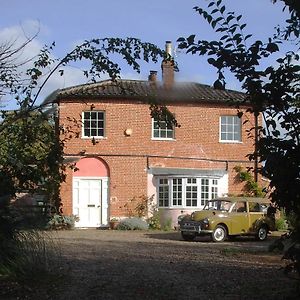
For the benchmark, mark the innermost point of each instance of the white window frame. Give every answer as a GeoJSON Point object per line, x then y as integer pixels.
{"type": "Point", "coordinates": [95, 128]}
{"type": "Point", "coordinates": [162, 191]}
{"type": "Point", "coordinates": [231, 127]}
{"type": "Point", "coordinates": [212, 190]}
{"type": "Point", "coordinates": [161, 130]}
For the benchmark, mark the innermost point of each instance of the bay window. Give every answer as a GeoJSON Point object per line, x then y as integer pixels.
{"type": "Point", "coordinates": [186, 192]}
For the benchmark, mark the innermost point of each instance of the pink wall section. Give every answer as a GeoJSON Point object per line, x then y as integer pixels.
{"type": "Point", "coordinates": [91, 167]}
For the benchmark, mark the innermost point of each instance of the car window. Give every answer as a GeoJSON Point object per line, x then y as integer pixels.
{"type": "Point", "coordinates": [239, 207]}
{"type": "Point", "coordinates": [218, 205]}
{"type": "Point", "coordinates": [254, 207]}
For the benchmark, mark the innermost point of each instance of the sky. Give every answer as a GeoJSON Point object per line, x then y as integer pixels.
{"type": "Point", "coordinates": [69, 23]}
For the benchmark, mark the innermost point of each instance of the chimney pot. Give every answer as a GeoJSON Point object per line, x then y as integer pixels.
{"type": "Point", "coordinates": [169, 48]}
{"type": "Point", "coordinates": [152, 76]}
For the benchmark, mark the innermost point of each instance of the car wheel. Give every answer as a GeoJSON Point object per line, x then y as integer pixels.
{"type": "Point", "coordinates": [188, 237]}
{"type": "Point", "coordinates": [262, 233]}
{"type": "Point", "coordinates": [219, 234]}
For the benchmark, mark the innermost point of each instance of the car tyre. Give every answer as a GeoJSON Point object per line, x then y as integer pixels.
{"type": "Point", "coordinates": [262, 233]}
{"type": "Point", "coordinates": [188, 237]}
{"type": "Point", "coordinates": [219, 234]}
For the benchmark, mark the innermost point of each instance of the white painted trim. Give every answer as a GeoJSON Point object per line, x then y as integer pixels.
{"type": "Point", "coordinates": [104, 204]}
{"type": "Point", "coordinates": [230, 141]}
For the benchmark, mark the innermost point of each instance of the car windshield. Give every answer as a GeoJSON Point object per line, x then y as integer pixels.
{"type": "Point", "coordinates": [222, 205]}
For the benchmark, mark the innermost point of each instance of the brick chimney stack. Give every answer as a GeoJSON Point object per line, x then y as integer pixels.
{"type": "Point", "coordinates": [152, 76]}
{"type": "Point", "coordinates": [167, 67]}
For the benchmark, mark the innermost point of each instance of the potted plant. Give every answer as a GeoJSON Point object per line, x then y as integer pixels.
{"type": "Point", "coordinates": [113, 223]}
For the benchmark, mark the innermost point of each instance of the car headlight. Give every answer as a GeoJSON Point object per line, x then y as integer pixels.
{"type": "Point", "coordinates": [192, 215]}
{"type": "Point", "coordinates": [205, 223]}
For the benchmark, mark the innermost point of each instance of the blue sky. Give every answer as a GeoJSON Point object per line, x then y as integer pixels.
{"type": "Point", "coordinates": [70, 22]}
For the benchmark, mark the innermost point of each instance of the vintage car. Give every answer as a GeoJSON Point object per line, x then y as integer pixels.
{"type": "Point", "coordinates": [228, 217]}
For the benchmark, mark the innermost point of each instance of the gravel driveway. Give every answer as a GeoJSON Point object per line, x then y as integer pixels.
{"type": "Point", "coordinates": [106, 264]}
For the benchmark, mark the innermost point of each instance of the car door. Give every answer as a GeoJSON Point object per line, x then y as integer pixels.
{"type": "Point", "coordinates": [256, 213]}
{"type": "Point", "coordinates": [239, 218]}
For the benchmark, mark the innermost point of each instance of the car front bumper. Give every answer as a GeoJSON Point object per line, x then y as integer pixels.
{"type": "Point", "coordinates": [193, 227]}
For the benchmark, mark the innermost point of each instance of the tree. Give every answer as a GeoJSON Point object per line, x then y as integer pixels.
{"type": "Point", "coordinates": [31, 155]}
{"type": "Point", "coordinates": [10, 65]}
{"type": "Point", "coordinates": [273, 91]}
{"type": "Point", "coordinates": [17, 129]}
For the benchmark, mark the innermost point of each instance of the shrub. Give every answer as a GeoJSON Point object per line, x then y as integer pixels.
{"type": "Point", "coordinates": [139, 206]}
{"type": "Point", "coordinates": [167, 226]}
{"type": "Point", "coordinates": [132, 224]}
{"type": "Point", "coordinates": [281, 224]}
{"type": "Point", "coordinates": [58, 222]}
{"type": "Point", "coordinates": [154, 222]}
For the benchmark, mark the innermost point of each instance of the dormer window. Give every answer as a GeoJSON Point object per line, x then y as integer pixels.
{"type": "Point", "coordinates": [93, 124]}
{"type": "Point", "coordinates": [162, 130]}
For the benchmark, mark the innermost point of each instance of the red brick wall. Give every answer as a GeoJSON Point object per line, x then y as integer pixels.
{"type": "Point", "coordinates": [198, 137]}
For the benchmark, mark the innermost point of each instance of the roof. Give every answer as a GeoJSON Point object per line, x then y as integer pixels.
{"type": "Point", "coordinates": [186, 172]}
{"type": "Point", "coordinates": [241, 198]}
{"type": "Point", "coordinates": [148, 91]}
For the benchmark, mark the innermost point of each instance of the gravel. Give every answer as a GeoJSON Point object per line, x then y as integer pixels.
{"type": "Point", "coordinates": [109, 264]}
{"type": "Point", "coordinates": [159, 265]}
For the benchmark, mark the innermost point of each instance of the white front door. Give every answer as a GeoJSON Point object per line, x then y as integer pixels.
{"type": "Point", "coordinates": [87, 199]}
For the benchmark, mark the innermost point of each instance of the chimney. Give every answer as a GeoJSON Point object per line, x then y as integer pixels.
{"type": "Point", "coordinates": [167, 67]}
{"type": "Point", "coordinates": [152, 76]}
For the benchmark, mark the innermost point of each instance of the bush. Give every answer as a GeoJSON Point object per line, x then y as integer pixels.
{"type": "Point", "coordinates": [167, 226]}
{"type": "Point", "coordinates": [58, 222]}
{"type": "Point", "coordinates": [154, 222]}
{"type": "Point", "coordinates": [281, 224]}
{"type": "Point", "coordinates": [132, 224]}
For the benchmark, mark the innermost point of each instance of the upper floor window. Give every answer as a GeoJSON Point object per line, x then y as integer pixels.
{"type": "Point", "coordinates": [162, 130]}
{"type": "Point", "coordinates": [93, 124]}
{"type": "Point", "coordinates": [230, 129]}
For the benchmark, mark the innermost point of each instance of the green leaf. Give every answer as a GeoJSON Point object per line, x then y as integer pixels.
{"type": "Point", "coordinates": [191, 39]}
{"type": "Point", "coordinates": [272, 47]}
{"type": "Point", "coordinates": [229, 18]}
{"type": "Point", "coordinates": [181, 39]}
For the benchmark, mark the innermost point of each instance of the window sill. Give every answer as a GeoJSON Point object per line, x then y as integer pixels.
{"type": "Point", "coordinates": [162, 139]}
{"type": "Point", "coordinates": [231, 142]}
{"type": "Point", "coordinates": [94, 137]}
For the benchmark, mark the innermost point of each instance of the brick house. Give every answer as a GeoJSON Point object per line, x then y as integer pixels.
{"type": "Point", "coordinates": [122, 153]}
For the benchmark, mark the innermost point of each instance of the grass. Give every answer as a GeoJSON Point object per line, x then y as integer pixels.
{"type": "Point", "coordinates": [35, 253]}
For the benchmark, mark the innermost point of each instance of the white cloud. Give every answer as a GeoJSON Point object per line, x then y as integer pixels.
{"type": "Point", "coordinates": [17, 36]}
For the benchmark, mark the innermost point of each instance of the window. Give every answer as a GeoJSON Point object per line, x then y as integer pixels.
{"type": "Point", "coordinates": [214, 189]}
{"type": "Point", "coordinates": [177, 191]}
{"type": "Point", "coordinates": [162, 130]}
{"type": "Point", "coordinates": [163, 193]}
{"type": "Point", "coordinates": [240, 207]}
{"type": "Point", "coordinates": [186, 192]}
{"type": "Point", "coordinates": [230, 129]}
{"type": "Point", "coordinates": [191, 192]}
{"type": "Point", "coordinates": [93, 124]}
{"type": "Point", "coordinates": [204, 191]}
